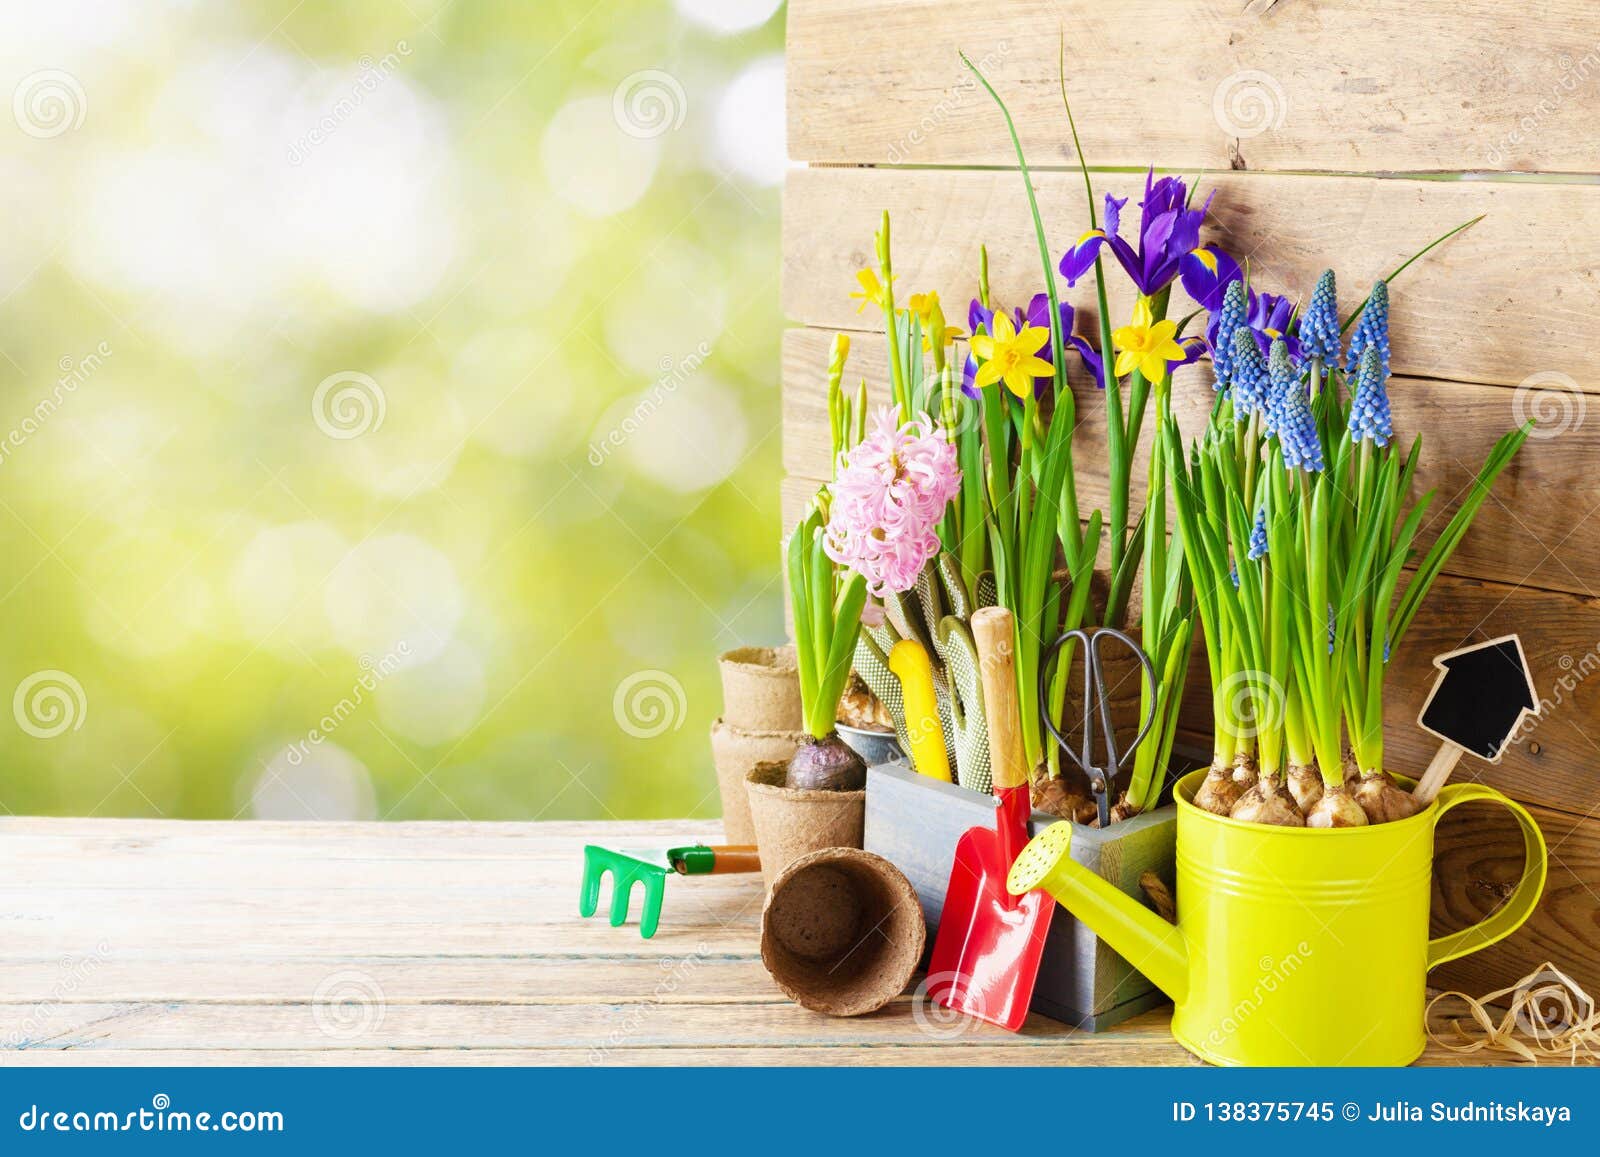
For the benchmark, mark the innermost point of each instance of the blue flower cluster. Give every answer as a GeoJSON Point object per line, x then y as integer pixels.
{"type": "Point", "coordinates": [1258, 536]}
{"type": "Point", "coordinates": [1369, 408]}
{"type": "Point", "coordinates": [1319, 327]}
{"type": "Point", "coordinates": [1372, 331]}
{"type": "Point", "coordinates": [1281, 377]}
{"type": "Point", "coordinates": [1249, 379]}
{"type": "Point", "coordinates": [1297, 431]}
{"type": "Point", "coordinates": [1231, 318]}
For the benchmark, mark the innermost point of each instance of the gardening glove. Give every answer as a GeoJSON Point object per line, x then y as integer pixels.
{"type": "Point", "coordinates": [934, 614]}
{"type": "Point", "coordinates": [958, 656]}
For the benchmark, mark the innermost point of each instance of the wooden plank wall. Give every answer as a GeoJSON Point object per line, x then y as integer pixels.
{"type": "Point", "coordinates": [1335, 132]}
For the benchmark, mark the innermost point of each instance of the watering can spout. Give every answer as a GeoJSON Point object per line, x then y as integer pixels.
{"type": "Point", "coordinates": [1149, 943]}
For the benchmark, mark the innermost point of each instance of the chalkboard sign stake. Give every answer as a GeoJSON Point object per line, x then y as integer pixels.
{"type": "Point", "coordinates": [1439, 768]}
{"type": "Point", "coordinates": [1477, 705]}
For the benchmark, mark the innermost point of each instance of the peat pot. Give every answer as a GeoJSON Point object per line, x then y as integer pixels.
{"type": "Point", "coordinates": [1293, 946]}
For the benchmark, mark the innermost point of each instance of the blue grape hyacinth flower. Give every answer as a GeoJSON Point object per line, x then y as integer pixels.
{"type": "Point", "coordinates": [1319, 327]}
{"type": "Point", "coordinates": [1258, 536]}
{"type": "Point", "coordinates": [1229, 318]}
{"type": "Point", "coordinates": [1281, 376]}
{"type": "Point", "coordinates": [1297, 431]}
{"type": "Point", "coordinates": [1369, 408]}
{"type": "Point", "coordinates": [1250, 384]}
{"type": "Point", "coordinates": [1372, 331]}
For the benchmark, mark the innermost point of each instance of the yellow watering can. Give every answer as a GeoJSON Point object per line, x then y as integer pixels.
{"type": "Point", "coordinates": [1293, 946]}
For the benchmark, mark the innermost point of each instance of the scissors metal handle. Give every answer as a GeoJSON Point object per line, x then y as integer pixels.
{"type": "Point", "coordinates": [1102, 780]}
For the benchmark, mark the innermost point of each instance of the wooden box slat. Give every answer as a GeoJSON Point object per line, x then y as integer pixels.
{"type": "Point", "coordinates": [1330, 85]}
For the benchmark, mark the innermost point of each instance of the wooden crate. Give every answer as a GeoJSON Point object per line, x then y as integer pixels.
{"type": "Point", "coordinates": [1369, 118]}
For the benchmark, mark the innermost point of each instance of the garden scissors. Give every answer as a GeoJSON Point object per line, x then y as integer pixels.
{"type": "Point", "coordinates": [1102, 780]}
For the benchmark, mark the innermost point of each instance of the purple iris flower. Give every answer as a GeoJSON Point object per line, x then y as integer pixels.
{"type": "Point", "coordinates": [1169, 234]}
{"type": "Point", "coordinates": [1038, 316]}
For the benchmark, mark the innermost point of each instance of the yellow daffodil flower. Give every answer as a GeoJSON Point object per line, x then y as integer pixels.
{"type": "Point", "coordinates": [871, 291]}
{"type": "Point", "coordinates": [1011, 357]}
{"type": "Point", "coordinates": [928, 310]}
{"type": "Point", "coordinates": [1147, 345]}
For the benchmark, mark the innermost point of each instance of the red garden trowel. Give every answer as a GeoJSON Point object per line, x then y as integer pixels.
{"type": "Point", "coordinates": [986, 955]}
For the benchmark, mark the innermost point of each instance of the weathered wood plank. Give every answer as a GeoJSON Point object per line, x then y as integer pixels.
{"type": "Point", "coordinates": [1518, 295]}
{"type": "Point", "coordinates": [163, 974]}
{"type": "Point", "coordinates": [1087, 1051]}
{"type": "Point", "coordinates": [1335, 85]}
{"type": "Point", "coordinates": [1536, 529]}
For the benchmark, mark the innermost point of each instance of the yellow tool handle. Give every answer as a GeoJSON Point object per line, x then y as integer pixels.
{"type": "Point", "coordinates": [992, 631]}
{"type": "Point", "coordinates": [908, 659]}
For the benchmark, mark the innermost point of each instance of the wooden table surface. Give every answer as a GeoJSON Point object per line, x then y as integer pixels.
{"type": "Point", "coordinates": [168, 942]}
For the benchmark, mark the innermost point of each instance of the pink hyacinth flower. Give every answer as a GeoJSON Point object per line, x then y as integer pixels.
{"type": "Point", "coordinates": [887, 503]}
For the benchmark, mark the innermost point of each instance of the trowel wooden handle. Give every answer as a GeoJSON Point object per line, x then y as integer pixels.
{"type": "Point", "coordinates": [992, 631]}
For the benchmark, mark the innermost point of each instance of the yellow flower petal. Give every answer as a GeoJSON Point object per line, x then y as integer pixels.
{"type": "Point", "coordinates": [1168, 351]}
{"type": "Point", "coordinates": [1142, 317]}
{"type": "Point", "coordinates": [1036, 368]}
{"type": "Point", "coordinates": [1162, 331]}
{"type": "Point", "coordinates": [1004, 332]}
{"type": "Point", "coordinates": [982, 347]}
{"type": "Point", "coordinates": [1125, 338]}
{"type": "Point", "coordinates": [1019, 383]}
{"type": "Point", "coordinates": [1127, 360]}
{"type": "Point", "coordinates": [988, 374]}
{"type": "Point", "coordinates": [1032, 339]}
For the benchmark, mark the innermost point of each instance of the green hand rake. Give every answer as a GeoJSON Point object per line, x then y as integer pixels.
{"type": "Point", "coordinates": [650, 867]}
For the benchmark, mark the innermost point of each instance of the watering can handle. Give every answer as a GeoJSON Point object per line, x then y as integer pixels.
{"type": "Point", "coordinates": [1524, 898]}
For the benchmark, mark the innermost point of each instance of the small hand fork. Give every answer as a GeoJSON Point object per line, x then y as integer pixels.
{"type": "Point", "coordinates": [651, 867]}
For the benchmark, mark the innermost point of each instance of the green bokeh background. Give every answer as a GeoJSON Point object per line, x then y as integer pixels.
{"type": "Point", "coordinates": [181, 537]}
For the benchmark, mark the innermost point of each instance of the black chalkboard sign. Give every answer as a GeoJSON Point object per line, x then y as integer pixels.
{"type": "Point", "coordinates": [1480, 698]}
